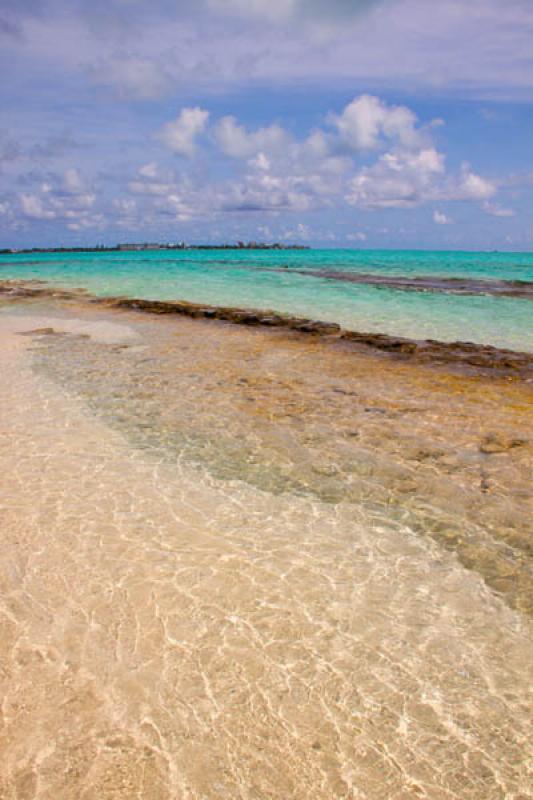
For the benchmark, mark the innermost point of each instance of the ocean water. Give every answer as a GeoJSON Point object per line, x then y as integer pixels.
{"type": "Point", "coordinates": [293, 282]}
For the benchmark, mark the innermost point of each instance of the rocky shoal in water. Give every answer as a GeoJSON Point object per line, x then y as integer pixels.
{"type": "Point", "coordinates": [459, 286]}
{"type": "Point", "coordinates": [468, 356]}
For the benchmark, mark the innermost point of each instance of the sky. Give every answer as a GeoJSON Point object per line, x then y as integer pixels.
{"type": "Point", "coordinates": [331, 123]}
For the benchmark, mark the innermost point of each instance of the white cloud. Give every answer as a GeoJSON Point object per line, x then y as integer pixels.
{"type": "Point", "coordinates": [260, 162]}
{"type": "Point", "coordinates": [64, 198]}
{"type": "Point", "coordinates": [367, 122]}
{"type": "Point", "coordinates": [497, 211]}
{"type": "Point", "coordinates": [150, 187]}
{"type": "Point", "coordinates": [282, 172]}
{"type": "Point", "coordinates": [412, 172]}
{"type": "Point", "coordinates": [439, 218]}
{"type": "Point", "coordinates": [148, 170]}
{"type": "Point", "coordinates": [73, 182]}
{"type": "Point", "coordinates": [358, 236]}
{"type": "Point", "coordinates": [85, 200]}
{"type": "Point", "coordinates": [301, 232]}
{"type": "Point", "coordinates": [150, 180]}
{"type": "Point", "coordinates": [397, 180]}
{"type": "Point", "coordinates": [127, 210]}
{"type": "Point", "coordinates": [269, 171]}
{"type": "Point", "coordinates": [33, 207]}
{"type": "Point", "coordinates": [269, 193]}
{"type": "Point", "coordinates": [265, 231]}
{"type": "Point", "coordinates": [179, 207]}
{"type": "Point", "coordinates": [474, 187]}
{"type": "Point", "coordinates": [235, 141]}
{"type": "Point", "coordinates": [180, 135]}
{"type": "Point", "coordinates": [86, 222]}
{"type": "Point", "coordinates": [125, 205]}
{"type": "Point", "coordinates": [316, 145]}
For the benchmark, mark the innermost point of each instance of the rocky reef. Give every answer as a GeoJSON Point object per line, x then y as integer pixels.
{"type": "Point", "coordinates": [477, 357]}
{"type": "Point", "coordinates": [448, 285]}
{"type": "Point", "coordinates": [467, 356]}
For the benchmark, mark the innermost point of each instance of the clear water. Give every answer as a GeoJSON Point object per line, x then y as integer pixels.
{"type": "Point", "coordinates": [232, 568]}
{"type": "Point", "coordinates": [250, 278]}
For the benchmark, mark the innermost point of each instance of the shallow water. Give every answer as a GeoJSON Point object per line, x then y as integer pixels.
{"type": "Point", "coordinates": [240, 565]}
{"type": "Point", "coordinates": [274, 279]}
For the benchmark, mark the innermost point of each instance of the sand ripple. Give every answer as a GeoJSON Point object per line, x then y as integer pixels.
{"type": "Point", "coordinates": [170, 631]}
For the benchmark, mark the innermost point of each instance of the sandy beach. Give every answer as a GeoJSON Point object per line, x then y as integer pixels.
{"type": "Point", "coordinates": [250, 563]}
{"type": "Point", "coordinates": [266, 400]}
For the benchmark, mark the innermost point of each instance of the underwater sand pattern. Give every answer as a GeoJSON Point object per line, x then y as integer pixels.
{"type": "Point", "coordinates": [237, 564]}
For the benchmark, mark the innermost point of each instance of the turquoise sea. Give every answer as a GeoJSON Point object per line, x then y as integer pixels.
{"type": "Point", "coordinates": [293, 282]}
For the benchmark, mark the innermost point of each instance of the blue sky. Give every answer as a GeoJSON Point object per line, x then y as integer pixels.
{"type": "Point", "coordinates": [350, 123]}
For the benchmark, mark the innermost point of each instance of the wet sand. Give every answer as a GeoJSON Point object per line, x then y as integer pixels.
{"type": "Point", "coordinates": [248, 563]}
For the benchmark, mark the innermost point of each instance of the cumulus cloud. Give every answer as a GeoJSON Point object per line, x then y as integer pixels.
{"type": "Point", "coordinates": [367, 122]}
{"type": "Point", "coordinates": [474, 187]}
{"type": "Point", "coordinates": [439, 218]}
{"type": "Point", "coordinates": [279, 171]}
{"type": "Point", "coordinates": [33, 207]}
{"type": "Point", "coordinates": [150, 187]}
{"type": "Point", "coordinates": [270, 193]}
{"type": "Point", "coordinates": [73, 182]}
{"type": "Point", "coordinates": [234, 140]}
{"type": "Point", "coordinates": [397, 180]}
{"type": "Point", "coordinates": [301, 232]}
{"type": "Point", "coordinates": [179, 206]}
{"type": "Point", "coordinates": [269, 170]}
{"type": "Point", "coordinates": [83, 223]}
{"type": "Point", "coordinates": [148, 170]}
{"type": "Point", "coordinates": [391, 162]}
{"type": "Point", "coordinates": [151, 180]}
{"type": "Point", "coordinates": [412, 171]}
{"type": "Point", "coordinates": [260, 162]}
{"type": "Point", "coordinates": [125, 210]}
{"type": "Point", "coordinates": [497, 211]}
{"type": "Point", "coordinates": [358, 236]}
{"type": "Point", "coordinates": [180, 135]}
{"type": "Point", "coordinates": [125, 205]}
{"type": "Point", "coordinates": [66, 198]}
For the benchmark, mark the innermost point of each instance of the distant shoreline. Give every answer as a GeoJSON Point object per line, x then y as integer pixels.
{"type": "Point", "coordinates": [147, 247]}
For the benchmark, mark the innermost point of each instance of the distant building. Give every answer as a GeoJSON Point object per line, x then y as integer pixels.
{"type": "Point", "coordinates": [143, 246]}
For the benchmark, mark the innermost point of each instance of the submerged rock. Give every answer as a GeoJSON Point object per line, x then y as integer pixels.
{"type": "Point", "coordinates": [39, 332]}
{"type": "Point", "coordinates": [493, 443]}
